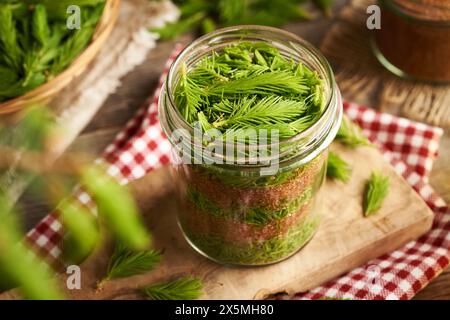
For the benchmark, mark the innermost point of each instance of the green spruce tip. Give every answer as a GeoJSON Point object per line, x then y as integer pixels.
{"type": "Point", "coordinates": [11, 54]}
{"type": "Point", "coordinates": [125, 262]}
{"type": "Point", "coordinates": [221, 13]}
{"type": "Point", "coordinates": [351, 135]}
{"type": "Point", "coordinates": [338, 168]}
{"type": "Point", "coordinates": [174, 29]}
{"type": "Point", "coordinates": [184, 288]}
{"type": "Point", "coordinates": [376, 190]}
{"type": "Point", "coordinates": [40, 26]}
{"type": "Point", "coordinates": [45, 47]}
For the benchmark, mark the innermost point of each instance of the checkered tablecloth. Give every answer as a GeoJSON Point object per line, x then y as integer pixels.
{"type": "Point", "coordinates": [409, 146]}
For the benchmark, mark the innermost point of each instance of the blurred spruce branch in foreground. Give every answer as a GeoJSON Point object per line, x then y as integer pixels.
{"type": "Point", "coordinates": [27, 146]}
{"type": "Point", "coordinates": [17, 267]}
{"type": "Point", "coordinates": [204, 16]}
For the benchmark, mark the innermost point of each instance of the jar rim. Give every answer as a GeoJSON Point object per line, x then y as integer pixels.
{"type": "Point", "coordinates": [415, 10]}
{"type": "Point", "coordinates": [216, 36]}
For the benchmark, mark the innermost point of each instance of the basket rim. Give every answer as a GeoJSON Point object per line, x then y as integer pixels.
{"type": "Point", "coordinates": [47, 90]}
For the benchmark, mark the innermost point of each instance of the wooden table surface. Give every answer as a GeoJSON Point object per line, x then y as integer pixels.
{"type": "Point", "coordinates": [140, 83]}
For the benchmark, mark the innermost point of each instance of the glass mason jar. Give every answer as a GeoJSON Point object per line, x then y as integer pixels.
{"type": "Point", "coordinates": [414, 39]}
{"type": "Point", "coordinates": [264, 209]}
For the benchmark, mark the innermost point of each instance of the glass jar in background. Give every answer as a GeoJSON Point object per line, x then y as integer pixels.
{"type": "Point", "coordinates": [414, 39]}
{"type": "Point", "coordinates": [231, 212]}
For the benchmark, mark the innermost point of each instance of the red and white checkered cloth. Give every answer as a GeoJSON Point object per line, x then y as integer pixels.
{"type": "Point", "coordinates": [409, 146]}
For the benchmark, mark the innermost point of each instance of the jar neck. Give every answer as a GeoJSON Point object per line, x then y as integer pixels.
{"type": "Point", "coordinates": [295, 150]}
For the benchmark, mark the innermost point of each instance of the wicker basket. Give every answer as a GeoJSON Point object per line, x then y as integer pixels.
{"type": "Point", "coordinates": [50, 89]}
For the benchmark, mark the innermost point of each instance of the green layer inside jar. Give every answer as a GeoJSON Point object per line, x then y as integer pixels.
{"type": "Point", "coordinates": [257, 252]}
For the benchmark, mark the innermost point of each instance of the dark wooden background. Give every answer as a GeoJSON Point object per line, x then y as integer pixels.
{"type": "Point", "coordinates": [141, 82]}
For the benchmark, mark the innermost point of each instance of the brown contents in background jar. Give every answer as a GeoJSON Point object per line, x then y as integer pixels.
{"type": "Point", "coordinates": [414, 39]}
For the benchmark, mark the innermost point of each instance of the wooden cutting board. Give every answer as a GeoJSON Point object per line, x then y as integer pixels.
{"type": "Point", "coordinates": [345, 239]}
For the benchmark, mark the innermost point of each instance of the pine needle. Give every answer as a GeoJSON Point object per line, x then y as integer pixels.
{"type": "Point", "coordinates": [273, 82]}
{"type": "Point", "coordinates": [351, 134]}
{"type": "Point", "coordinates": [189, 96]}
{"type": "Point", "coordinates": [9, 46]}
{"type": "Point", "coordinates": [204, 121]}
{"type": "Point", "coordinates": [376, 190]}
{"type": "Point", "coordinates": [269, 110]}
{"type": "Point", "coordinates": [40, 27]}
{"type": "Point", "coordinates": [186, 288]}
{"type": "Point", "coordinates": [337, 168]}
{"type": "Point", "coordinates": [125, 263]}
{"type": "Point", "coordinates": [41, 54]}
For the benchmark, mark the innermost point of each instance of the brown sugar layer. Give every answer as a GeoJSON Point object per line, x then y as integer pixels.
{"type": "Point", "coordinates": [257, 216]}
{"type": "Point", "coordinates": [234, 231]}
{"type": "Point", "coordinates": [270, 197]}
